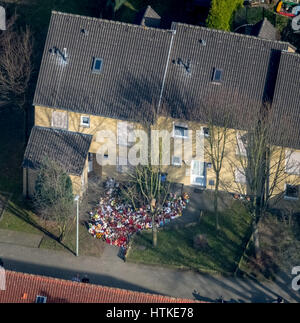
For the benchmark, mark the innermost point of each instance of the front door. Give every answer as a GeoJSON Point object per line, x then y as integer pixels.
{"type": "Point", "coordinates": [198, 173]}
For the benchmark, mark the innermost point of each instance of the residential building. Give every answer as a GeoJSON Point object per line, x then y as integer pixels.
{"type": "Point", "coordinates": [27, 288]}
{"type": "Point", "coordinates": [100, 75]}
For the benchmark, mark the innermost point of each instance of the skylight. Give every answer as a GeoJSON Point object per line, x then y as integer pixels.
{"type": "Point", "coordinates": [97, 65]}
{"type": "Point", "coordinates": [217, 76]}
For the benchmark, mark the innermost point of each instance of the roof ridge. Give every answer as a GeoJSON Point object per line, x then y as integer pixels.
{"type": "Point", "coordinates": [115, 22]}
{"type": "Point", "coordinates": [234, 34]}
{"type": "Point", "coordinates": [89, 285]}
{"type": "Point", "coordinates": [62, 130]}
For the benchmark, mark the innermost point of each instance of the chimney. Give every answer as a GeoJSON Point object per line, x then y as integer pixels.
{"type": "Point", "coordinates": [65, 54]}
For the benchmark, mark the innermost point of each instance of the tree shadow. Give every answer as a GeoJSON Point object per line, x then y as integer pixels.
{"type": "Point", "coordinates": [24, 216]}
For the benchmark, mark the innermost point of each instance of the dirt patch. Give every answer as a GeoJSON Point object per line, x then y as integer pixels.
{"type": "Point", "coordinates": [279, 246]}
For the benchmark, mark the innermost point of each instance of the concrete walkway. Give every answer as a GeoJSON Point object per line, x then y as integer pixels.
{"type": "Point", "coordinates": [110, 270]}
{"type": "Point", "coordinates": [20, 238]}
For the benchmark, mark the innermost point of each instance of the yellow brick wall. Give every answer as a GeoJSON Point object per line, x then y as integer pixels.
{"type": "Point", "coordinates": [177, 174]}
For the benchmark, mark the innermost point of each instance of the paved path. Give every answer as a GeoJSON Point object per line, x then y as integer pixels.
{"type": "Point", "coordinates": [110, 270]}
{"type": "Point", "coordinates": [20, 238]}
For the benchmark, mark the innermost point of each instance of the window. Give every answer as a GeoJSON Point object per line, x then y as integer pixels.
{"type": "Point", "coordinates": [123, 130]}
{"type": "Point", "coordinates": [217, 75]}
{"type": "Point", "coordinates": [180, 131]}
{"type": "Point", "coordinates": [176, 161]}
{"type": "Point", "coordinates": [198, 173]}
{"type": "Point", "coordinates": [292, 162]}
{"type": "Point", "coordinates": [206, 131]}
{"type": "Point", "coordinates": [41, 299]}
{"type": "Point", "coordinates": [85, 121]}
{"type": "Point", "coordinates": [97, 65]}
{"type": "Point", "coordinates": [60, 119]}
{"type": "Point", "coordinates": [241, 144]}
{"type": "Point", "coordinates": [240, 176]}
{"type": "Point", "coordinates": [291, 191]}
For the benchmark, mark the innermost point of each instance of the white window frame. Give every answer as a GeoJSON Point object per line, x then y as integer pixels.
{"type": "Point", "coordinates": [82, 124]}
{"type": "Point", "coordinates": [206, 135]}
{"type": "Point", "coordinates": [123, 130]}
{"type": "Point", "coordinates": [286, 197]}
{"type": "Point", "coordinates": [194, 177]}
{"type": "Point", "coordinates": [176, 163]}
{"type": "Point", "coordinates": [65, 113]}
{"type": "Point", "coordinates": [292, 170]}
{"type": "Point", "coordinates": [182, 125]}
{"type": "Point", "coordinates": [240, 151]}
{"type": "Point", "coordinates": [241, 171]}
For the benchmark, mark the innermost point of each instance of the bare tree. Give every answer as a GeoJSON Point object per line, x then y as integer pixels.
{"type": "Point", "coordinates": [145, 187]}
{"type": "Point", "coordinates": [262, 165]}
{"type": "Point", "coordinates": [16, 49]}
{"type": "Point", "coordinates": [217, 140]}
{"type": "Point", "coordinates": [145, 183]}
{"type": "Point", "coordinates": [53, 197]}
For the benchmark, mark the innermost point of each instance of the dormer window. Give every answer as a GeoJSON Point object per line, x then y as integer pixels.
{"type": "Point", "coordinates": [97, 65]}
{"type": "Point", "coordinates": [217, 76]}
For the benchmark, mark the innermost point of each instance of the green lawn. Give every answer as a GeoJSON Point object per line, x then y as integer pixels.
{"type": "Point", "coordinates": [175, 246]}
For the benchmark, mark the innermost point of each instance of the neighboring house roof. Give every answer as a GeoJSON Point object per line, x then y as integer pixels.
{"type": "Point", "coordinates": [149, 18]}
{"type": "Point", "coordinates": [248, 66]}
{"type": "Point", "coordinates": [286, 102]}
{"type": "Point", "coordinates": [142, 67]}
{"type": "Point", "coordinates": [24, 288]}
{"type": "Point", "coordinates": [68, 149]}
{"type": "Point", "coordinates": [264, 29]}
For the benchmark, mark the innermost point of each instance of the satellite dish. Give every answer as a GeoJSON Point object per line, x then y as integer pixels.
{"type": "Point", "coordinates": [2, 19]}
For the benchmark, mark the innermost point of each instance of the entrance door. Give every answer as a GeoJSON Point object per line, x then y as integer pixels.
{"type": "Point", "coordinates": [198, 173]}
{"type": "Point", "coordinates": [90, 157]}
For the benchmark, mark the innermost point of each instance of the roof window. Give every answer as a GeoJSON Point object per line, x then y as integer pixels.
{"type": "Point", "coordinates": [217, 76]}
{"type": "Point", "coordinates": [97, 65]}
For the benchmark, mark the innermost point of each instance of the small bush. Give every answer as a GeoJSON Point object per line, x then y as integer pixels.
{"type": "Point", "coordinates": [200, 242]}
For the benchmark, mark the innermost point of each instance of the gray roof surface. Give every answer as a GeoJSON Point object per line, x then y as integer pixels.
{"type": "Point", "coordinates": [141, 63]}
{"type": "Point", "coordinates": [68, 149]}
{"type": "Point", "coordinates": [248, 65]}
{"type": "Point", "coordinates": [128, 52]}
{"type": "Point", "coordinates": [264, 29]}
{"type": "Point", "coordinates": [286, 102]}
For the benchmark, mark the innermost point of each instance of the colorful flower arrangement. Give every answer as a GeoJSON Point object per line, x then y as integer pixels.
{"type": "Point", "coordinates": [115, 222]}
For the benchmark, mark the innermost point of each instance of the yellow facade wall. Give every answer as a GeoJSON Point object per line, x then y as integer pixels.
{"type": "Point", "coordinates": [177, 174]}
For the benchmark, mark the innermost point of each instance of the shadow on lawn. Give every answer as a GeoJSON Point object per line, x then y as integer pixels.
{"type": "Point", "coordinates": [24, 216]}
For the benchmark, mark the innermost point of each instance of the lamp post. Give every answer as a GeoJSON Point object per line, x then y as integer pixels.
{"type": "Point", "coordinates": [76, 199]}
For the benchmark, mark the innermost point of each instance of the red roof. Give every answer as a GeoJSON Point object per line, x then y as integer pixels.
{"type": "Point", "coordinates": [24, 288]}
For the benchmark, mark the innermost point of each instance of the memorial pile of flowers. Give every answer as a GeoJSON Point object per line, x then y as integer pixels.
{"type": "Point", "coordinates": [115, 221]}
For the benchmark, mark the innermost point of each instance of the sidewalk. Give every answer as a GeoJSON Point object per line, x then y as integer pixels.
{"type": "Point", "coordinates": [110, 270]}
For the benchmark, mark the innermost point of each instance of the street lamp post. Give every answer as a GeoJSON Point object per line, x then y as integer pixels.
{"type": "Point", "coordinates": [77, 225]}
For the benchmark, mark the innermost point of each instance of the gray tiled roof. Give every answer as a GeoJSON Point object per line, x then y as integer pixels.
{"type": "Point", "coordinates": [131, 56]}
{"type": "Point", "coordinates": [264, 29]}
{"type": "Point", "coordinates": [140, 67]}
{"type": "Point", "coordinates": [248, 67]}
{"type": "Point", "coordinates": [68, 149]}
{"type": "Point", "coordinates": [286, 102]}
